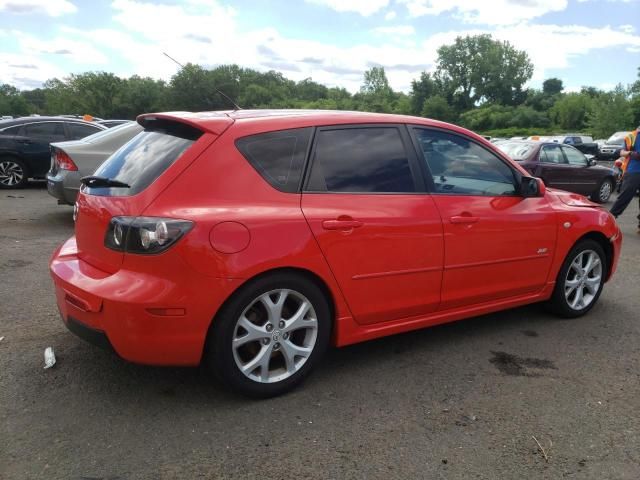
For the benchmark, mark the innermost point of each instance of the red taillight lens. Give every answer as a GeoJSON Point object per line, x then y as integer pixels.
{"type": "Point", "coordinates": [63, 161]}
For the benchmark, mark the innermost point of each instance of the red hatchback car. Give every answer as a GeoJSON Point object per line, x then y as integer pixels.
{"type": "Point", "coordinates": [254, 239]}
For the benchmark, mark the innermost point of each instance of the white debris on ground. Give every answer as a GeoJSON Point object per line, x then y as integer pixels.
{"type": "Point", "coordinates": [49, 358]}
{"type": "Point", "coordinates": [1, 338]}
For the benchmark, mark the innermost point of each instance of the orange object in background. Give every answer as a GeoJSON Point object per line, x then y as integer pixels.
{"type": "Point", "coordinates": [87, 118]}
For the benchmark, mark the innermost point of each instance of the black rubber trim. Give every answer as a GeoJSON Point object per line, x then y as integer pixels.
{"type": "Point", "coordinates": [88, 334]}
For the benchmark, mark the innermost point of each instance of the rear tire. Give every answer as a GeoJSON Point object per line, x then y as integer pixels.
{"type": "Point", "coordinates": [269, 336]}
{"type": "Point", "coordinates": [580, 280]}
{"type": "Point", "coordinates": [13, 173]}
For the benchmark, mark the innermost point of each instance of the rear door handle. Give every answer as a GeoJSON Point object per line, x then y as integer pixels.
{"type": "Point", "coordinates": [341, 224]}
{"type": "Point", "coordinates": [464, 219]}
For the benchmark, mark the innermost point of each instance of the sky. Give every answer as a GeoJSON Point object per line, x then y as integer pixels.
{"type": "Point", "coordinates": [582, 42]}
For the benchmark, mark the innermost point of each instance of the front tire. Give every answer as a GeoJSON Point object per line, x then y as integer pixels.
{"type": "Point", "coordinates": [13, 173]}
{"type": "Point", "coordinates": [580, 280]}
{"type": "Point", "coordinates": [270, 335]}
{"type": "Point", "coordinates": [604, 191]}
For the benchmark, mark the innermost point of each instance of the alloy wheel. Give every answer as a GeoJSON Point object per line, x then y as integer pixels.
{"type": "Point", "coordinates": [605, 191]}
{"type": "Point", "coordinates": [11, 173]}
{"type": "Point", "coordinates": [274, 336]}
{"type": "Point", "coordinates": [583, 280]}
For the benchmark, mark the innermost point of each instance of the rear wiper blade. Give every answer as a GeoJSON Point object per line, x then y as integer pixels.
{"type": "Point", "coordinates": [97, 182]}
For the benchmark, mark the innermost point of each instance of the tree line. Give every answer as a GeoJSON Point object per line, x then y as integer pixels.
{"type": "Point", "coordinates": [478, 83]}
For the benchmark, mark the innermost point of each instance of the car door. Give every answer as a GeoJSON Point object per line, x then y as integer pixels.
{"type": "Point", "coordinates": [584, 180]}
{"type": "Point", "coordinates": [381, 234]}
{"type": "Point", "coordinates": [497, 243]}
{"type": "Point", "coordinates": [554, 168]}
{"type": "Point", "coordinates": [35, 144]}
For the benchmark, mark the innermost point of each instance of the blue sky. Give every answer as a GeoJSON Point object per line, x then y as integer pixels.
{"type": "Point", "coordinates": [583, 42]}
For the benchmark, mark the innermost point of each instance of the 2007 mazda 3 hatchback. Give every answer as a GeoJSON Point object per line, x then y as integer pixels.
{"type": "Point", "coordinates": [253, 240]}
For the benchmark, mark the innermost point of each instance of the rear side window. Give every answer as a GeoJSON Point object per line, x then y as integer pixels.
{"type": "Point", "coordinates": [552, 154]}
{"type": "Point", "coordinates": [361, 160]}
{"type": "Point", "coordinates": [79, 130]}
{"type": "Point", "coordinates": [141, 161]}
{"type": "Point", "coordinates": [278, 156]}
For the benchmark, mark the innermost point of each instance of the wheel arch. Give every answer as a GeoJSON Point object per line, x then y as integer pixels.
{"type": "Point", "coordinates": [303, 272]}
{"type": "Point", "coordinates": [604, 242]}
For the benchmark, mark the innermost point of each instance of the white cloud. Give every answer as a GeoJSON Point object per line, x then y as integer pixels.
{"type": "Point", "coordinates": [627, 28]}
{"type": "Point", "coordinates": [390, 15]}
{"type": "Point", "coordinates": [26, 71]}
{"type": "Point", "coordinates": [488, 12]}
{"type": "Point", "coordinates": [52, 8]}
{"type": "Point", "coordinates": [404, 30]}
{"type": "Point", "coordinates": [363, 7]}
{"type": "Point", "coordinates": [548, 46]}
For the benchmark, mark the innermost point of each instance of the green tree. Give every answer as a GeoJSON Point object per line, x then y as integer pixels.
{"type": "Point", "coordinates": [478, 69]}
{"type": "Point", "coordinates": [552, 86]}
{"type": "Point", "coordinates": [11, 102]}
{"type": "Point", "coordinates": [611, 113]}
{"type": "Point", "coordinates": [421, 89]}
{"type": "Point", "coordinates": [571, 111]}
{"type": "Point", "coordinates": [437, 108]}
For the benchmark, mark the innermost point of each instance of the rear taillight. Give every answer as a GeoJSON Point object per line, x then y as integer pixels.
{"type": "Point", "coordinates": [63, 161]}
{"type": "Point", "coordinates": [145, 235]}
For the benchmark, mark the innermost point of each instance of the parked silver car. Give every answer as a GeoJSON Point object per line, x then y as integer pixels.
{"type": "Point", "coordinates": [70, 161]}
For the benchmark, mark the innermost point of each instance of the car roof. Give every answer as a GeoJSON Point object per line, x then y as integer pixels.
{"type": "Point", "coordinates": [217, 121]}
{"type": "Point", "coordinates": [23, 120]}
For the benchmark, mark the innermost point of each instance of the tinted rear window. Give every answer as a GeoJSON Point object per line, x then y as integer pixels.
{"type": "Point", "coordinates": [371, 160]}
{"type": "Point", "coordinates": [141, 161]}
{"type": "Point", "coordinates": [278, 156]}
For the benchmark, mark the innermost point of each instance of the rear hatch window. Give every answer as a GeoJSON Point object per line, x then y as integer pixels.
{"type": "Point", "coordinates": [141, 161]}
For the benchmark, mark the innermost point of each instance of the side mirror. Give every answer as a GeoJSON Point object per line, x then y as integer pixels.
{"type": "Point", "coordinates": [591, 161]}
{"type": "Point", "coordinates": [532, 187]}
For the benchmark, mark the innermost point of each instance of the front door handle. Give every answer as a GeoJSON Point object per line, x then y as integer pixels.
{"type": "Point", "coordinates": [463, 219]}
{"type": "Point", "coordinates": [341, 224]}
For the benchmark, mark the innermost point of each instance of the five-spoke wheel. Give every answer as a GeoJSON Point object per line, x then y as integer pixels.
{"type": "Point", "coordinates": [270, 334]}
{"type": "Point", "coordinates": [580, 279]}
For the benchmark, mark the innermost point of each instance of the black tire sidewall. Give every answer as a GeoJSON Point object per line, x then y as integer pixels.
{"type": "Point", "coordinates": [558, 302]}
{"type": "Point", "coordinates": [25, 172]}
{"type": "Point", "coordinates": [220, 354]}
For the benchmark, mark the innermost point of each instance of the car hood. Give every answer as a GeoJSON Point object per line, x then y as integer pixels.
{"type": "Point", "coordinates": [573, 199]}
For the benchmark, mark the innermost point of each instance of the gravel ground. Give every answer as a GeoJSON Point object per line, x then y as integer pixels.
{"type": "Point", "coordinates": [458, 401]}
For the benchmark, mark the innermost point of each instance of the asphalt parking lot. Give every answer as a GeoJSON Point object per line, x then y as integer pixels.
{"type": "Point", "coordinates": [463, 400]}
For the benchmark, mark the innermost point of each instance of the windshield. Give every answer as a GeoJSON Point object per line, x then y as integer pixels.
{"type": "Point", "coordinates": [516, 150]}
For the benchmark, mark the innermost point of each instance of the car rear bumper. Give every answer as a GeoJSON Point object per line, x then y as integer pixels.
{"type": "Point", "coordinates": [143, 316]}
{"type": "Point", "coordinates": [64, 186]}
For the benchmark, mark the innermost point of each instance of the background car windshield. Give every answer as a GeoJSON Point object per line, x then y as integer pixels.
{"type": "Point", "coordinates": [517, 151]}
{"type": "Point", "coordinates": [141, 161]}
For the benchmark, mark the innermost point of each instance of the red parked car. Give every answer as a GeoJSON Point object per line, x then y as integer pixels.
{"type": "Point", "coordinates": [252, 240]}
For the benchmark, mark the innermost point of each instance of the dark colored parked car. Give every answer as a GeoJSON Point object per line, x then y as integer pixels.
{"type": "Point", "coordinates": [24, 145]}
{"type": "Point", "coordinates": [563, 167]}
{"type": "Point", "coordinates": [610, 150]}
{"type": "Point", "coordinates": [584, 143]}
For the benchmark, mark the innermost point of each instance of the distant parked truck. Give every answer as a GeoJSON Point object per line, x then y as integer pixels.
{"type": "Point", "coordinates": [610, 150]}
{"type": "Point", "coordinates": [584, 143]}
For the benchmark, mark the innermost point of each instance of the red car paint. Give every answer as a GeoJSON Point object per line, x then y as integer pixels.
{"type": "Point", "coordinates": [389, 263]}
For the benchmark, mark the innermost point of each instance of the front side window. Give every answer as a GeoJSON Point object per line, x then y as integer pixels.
{"type": "Point", "coordinates": [278, 156]}
{"type": "Point", "coordinates": [49, 131]}
{"type": "Point", "coordinates": [575, 157]}
{"type": "Point", "coordinates": [461, 167]}
{"type": "Point", "coordinates": [361, 160]}
{"type": "Point", "coordinates": [552, 154]}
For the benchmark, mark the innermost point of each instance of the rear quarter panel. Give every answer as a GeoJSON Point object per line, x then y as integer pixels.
{"type": "Point", "coordinates": [222, 187]}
